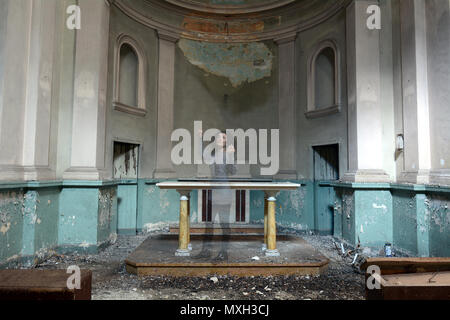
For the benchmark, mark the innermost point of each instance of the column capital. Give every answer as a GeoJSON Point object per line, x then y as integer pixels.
{"type": "Point", "coordinates": [168, 36]}
{"type": "Point", "coordinates": [285, 38]}
{"type": "Point", "coordinates": [271, 195]}
{"type": "Point", "coordinates": [184, 194]}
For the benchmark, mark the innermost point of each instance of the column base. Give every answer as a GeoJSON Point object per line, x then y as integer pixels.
{"type": "Point", "coordinates": [11, 173]}
{"type": "Point", "coordinates": [182, 253]}
{"type": "Point", "coordinates": [38, 173]}
{"type": "Point", "coordinates": [272, 253]}
{"type": "Point", "coordinates": [286, 175]}
{"type": "Point", "coordinates": [440, 177]}
{"type": "Point", "coordinates": [164, 174]}
{"type": "Point", "coordinates": [26, 173]}
{"type": "Point", "coordinates": [367, 176]}
{"type": "Point", "coordinates": [415, 177]}
{"type": "Point", "coordinates": [83, 173]}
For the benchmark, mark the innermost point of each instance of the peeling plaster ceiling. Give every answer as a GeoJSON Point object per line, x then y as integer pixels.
{"type": "Point", "coordinates": [239, 63]}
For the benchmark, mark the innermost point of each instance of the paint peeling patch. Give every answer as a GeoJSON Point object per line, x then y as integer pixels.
{"type": "Point", "coordinates": [11, 208]}
{"type": "Point", "coordinates": [297, 200]}
{"type": "Point", "coordinates": [84, 244]}
{"type": "Point", "coordinates": [239, 63]}
{"type": "Point", "coordinates": [164, 202]}
{"type": "Point", "coordinates": [160, 226]}
{"type": "Point", "coordinates": [5, 228]}
{"type": "Point", "coordinates": [106, 199]}
{"type": "Point", "coordinates": [437, 213]}
{"type": "Point", "coordinates": [296, 226]}
{"type": "Point", "coordinates": [13, 258]}
{"type": "Point", "coordinates": [375, 206]}
{"type": "Point", "coordinates": [112, 238]}
{"type": "Point", "coordinates": [30, 207]}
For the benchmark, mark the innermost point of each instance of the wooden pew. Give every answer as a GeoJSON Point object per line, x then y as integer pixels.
{"type": "Point", "coordinates": [410, 279]}
{"type": "Point", "coordinates": [42, 285]}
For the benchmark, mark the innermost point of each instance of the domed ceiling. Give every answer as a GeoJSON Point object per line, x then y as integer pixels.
{"type": "Point", "coordinates": [230, 20]}
{"type": "Point", "coordinates": [230, 6]}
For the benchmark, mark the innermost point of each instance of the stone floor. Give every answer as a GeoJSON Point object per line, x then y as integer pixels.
{"type": "Point", "coordinates": [112, 281]}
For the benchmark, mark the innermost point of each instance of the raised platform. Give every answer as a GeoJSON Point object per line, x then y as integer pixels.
{"type": "Point", "coordinates": [211, 228]}
{"type": "Point", "coordinates": [225, 255]}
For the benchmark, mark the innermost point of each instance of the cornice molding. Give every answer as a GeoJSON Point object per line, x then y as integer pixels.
{"type": "Point", "coordinates": [173, 33]}
{"type": "Point", "coordinates": [230, 9]}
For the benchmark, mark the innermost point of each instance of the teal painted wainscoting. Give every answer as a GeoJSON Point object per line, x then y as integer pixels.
{"type": "Point", "coordinates": [414, 218]}
{"type": "Point", "coordinates": [40, 218]}
{"type": "Point", "coordinates": [127, 208]}
{"type": "Point", "coordinates": [295, 209]}
{"type": "Point", "coordinates": [88, 217]}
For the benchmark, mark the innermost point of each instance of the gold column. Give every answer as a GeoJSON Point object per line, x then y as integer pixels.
{"type": "Point", "coordinates": [189, 223]}
{"type": "Point", "coordinates": [183, 237]}
{"type": "Point", "coordinates": [265, 223]}
{"type": "Point", "coordinates": [271, 228]}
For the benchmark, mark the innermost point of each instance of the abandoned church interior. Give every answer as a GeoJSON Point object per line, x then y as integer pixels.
{"type": "Point", "coordinates": [91, 92]}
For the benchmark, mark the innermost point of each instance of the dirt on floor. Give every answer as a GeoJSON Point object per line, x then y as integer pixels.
{"type": "Point", "coordinates": [112, 282]}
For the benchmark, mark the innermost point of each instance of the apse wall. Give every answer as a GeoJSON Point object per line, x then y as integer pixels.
{"type": "Point", "coordinates": [73, 208]}
{"type": "Point", "coordinates": [227, 86]}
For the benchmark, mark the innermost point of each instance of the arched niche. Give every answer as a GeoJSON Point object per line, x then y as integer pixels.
{"type": "Point", "coordinates": [130, 75]}
{"type": "Point", "coordinates": [323, 80]}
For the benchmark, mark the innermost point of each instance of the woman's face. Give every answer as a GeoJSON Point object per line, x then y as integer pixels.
{"type": "Point", "coordinates": [221, 140]}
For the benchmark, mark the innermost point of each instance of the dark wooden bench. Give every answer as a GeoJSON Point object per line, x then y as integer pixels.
{"type": "Point", "coordinates": [410, 279]}
{"type": "Point", "coordinates": [42, 285]}
{"type": "Point", "coordinates": [415, 286]}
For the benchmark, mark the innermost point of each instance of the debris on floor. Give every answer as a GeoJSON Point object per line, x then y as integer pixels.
{"type": "Point", "coordinates": [112, 282]}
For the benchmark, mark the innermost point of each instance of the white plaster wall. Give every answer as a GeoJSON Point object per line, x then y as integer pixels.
{"type": "Point", "coordinates": [39, 88]}
{"type": "Point", "coordinates": [3, 30]}
{"type": "Point", "coordinates": [397, 82]}
{"type": "Point", "coordinates": [16, 48]}
{"type": "Point", "coordinates": [438, 41]}
{"type": "Point", "coordinates": [387, 89]}
{"type": "Point", "coordinates": [29, 87]}
{"type": "Point", "coordinates": [87, 159]}
{"type": "Point", "coordinates": [61, 137]}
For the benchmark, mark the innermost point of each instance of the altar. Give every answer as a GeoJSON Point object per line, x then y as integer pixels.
{"type": "Point", "coordinates": [271, 190]}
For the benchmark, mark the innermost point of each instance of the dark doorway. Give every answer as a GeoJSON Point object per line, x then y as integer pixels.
{"type": "Point", "coordinates": [125, 163]}
{"type": "Point", "coordinates": [326, 170]}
